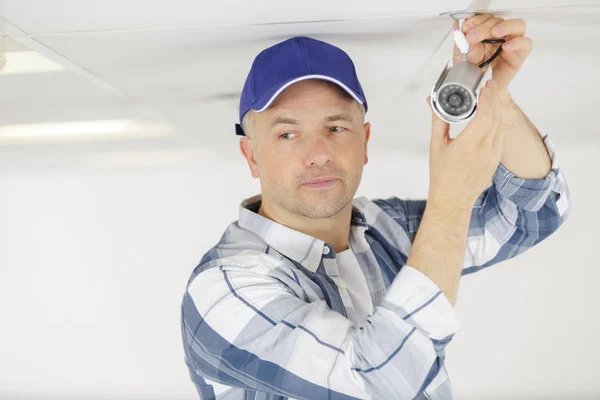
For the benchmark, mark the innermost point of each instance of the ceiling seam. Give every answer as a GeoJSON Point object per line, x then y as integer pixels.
{"type": "Point", "coordinates": [416, 15]}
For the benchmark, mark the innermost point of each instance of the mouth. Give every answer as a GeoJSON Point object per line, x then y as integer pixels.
{"type": "Point", "coordinates": [321, 183]}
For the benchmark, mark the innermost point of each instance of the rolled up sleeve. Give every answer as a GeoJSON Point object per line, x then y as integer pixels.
{"type": "Point", "coordinates": [532, 194]}
{"type": "Point", "coordinates": [515, 214]}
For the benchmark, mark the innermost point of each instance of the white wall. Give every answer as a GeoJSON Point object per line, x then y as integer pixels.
{"type": "Point", "coordinates": [95, 258]}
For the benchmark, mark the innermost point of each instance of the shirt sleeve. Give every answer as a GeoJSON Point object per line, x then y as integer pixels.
{"type": "Point", "coordinates": [515, 214]}
{"type": "Point", "coordinates": [511, 216]}
{"type": "Point", "coordinates": [244, 328]}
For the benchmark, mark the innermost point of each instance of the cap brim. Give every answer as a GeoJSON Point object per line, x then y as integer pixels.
{"type": "Point", "coordinates": [268, 98]}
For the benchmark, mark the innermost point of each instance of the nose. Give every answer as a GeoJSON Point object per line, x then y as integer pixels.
{"type": "Point", "coordinates": [318, 151]}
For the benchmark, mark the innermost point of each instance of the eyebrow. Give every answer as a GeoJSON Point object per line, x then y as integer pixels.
{"type": "Point", "coordinates": [331, 118]}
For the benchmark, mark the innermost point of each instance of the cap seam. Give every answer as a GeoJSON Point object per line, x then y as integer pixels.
{"type": "Point", "coordinates": [304, 52]}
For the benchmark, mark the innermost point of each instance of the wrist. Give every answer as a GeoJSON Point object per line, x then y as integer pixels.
{"type": "Point", "coordinates": [445, 209]}
{"type": "Point", "coordinates": [505, 98]}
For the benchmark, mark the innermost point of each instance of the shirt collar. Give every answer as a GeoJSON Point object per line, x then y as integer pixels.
{"type": "Point", "coordinates": [298, 246]}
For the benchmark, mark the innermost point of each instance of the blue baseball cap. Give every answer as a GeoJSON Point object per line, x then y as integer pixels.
{"type": "Point", "coordinates": [291, 61]}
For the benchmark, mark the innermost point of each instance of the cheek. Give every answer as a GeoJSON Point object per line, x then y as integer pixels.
{"type": "Point", "coordinates": [354, 159]}
{"type": "Point", "coordinates": [277, 169]}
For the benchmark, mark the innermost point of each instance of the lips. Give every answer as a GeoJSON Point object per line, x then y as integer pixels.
{"type": "Point", "coordinates": [321, 183]}
{"type": "Point", "coordinates": [321, 180]}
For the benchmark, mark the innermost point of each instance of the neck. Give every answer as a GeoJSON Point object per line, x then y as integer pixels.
{"type": "Point", "coordinates": [333, 230]}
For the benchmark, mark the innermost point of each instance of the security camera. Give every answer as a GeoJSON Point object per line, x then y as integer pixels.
{"type": "Point", "coordinates": [454, 95]}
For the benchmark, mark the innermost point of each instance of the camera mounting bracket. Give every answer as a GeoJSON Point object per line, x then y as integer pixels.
{"type": "Point", "coordinates": [459, 37]}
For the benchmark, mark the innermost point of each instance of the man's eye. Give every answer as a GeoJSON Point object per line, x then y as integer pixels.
{"type": "Point", "coordinates": [285, 135]}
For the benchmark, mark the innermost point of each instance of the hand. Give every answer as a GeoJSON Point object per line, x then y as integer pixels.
{"type": "Point", "coordinates": [462, 168]}
{"type": "Point", "coordinates": [514, 51]}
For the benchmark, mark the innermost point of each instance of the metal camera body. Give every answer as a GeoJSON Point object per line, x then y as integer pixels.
{"type": "Point", "coordinates": [454, 96]}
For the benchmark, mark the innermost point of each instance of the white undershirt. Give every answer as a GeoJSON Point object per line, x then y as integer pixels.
{"type": "Point", "coordinates": [354, 278]}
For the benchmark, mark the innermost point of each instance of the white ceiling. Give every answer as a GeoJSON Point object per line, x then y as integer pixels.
{"type": "Point", "coordinates": [183, 63]}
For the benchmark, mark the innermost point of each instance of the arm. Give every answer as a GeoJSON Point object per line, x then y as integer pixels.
{"type": "Point", "coordinates": [516, 214]}
{"type": "Point", "coordinates": [439, 246]}
{"type": "Point", "coordinates": [524, 154]}
{"type": "Point", "coordinates": [511, 216]}
{"type": "Point", "coordinates": [245, 328]}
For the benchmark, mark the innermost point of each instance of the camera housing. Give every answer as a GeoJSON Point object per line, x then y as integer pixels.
{"type": "Point", "coordinates": [454, 96]}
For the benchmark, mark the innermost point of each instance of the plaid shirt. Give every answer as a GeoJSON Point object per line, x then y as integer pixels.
{"type": "Point", "coordinates": [265, 314]}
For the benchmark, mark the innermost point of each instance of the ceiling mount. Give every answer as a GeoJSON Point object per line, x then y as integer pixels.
{"type": "Point", "coordinates": [459, 37]}
{"type": "Point", "coordinates": [458, 15]}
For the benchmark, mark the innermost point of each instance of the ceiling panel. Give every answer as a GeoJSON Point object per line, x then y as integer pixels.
{"type": "Point", "coordinates": [59, 97]}
{"type": "Point", "coordinates": [189, 74]}
{"type": "Point", "coordinates": [92, 15]}
{"type": "Point", "coordinates": [42, 88]}
{"type": "Point", "coordinates": [192, 76]}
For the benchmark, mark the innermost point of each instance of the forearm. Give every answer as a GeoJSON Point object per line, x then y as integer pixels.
{"type": "Point", "coordinates": [524, 153]}
{"type": "Point", "coordinates": [439, 247]}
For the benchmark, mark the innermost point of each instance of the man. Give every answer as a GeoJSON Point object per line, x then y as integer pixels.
{"type": "Point", "coordinates": [312, 294]}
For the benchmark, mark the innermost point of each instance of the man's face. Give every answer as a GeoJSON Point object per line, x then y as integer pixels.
{"type": "Point", "coordinates": [296, 141]}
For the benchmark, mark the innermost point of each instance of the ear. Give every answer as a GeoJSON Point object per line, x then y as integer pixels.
{"type": "Point", "coordinates": [367, 129]}
{"type": "Point", "coordinates": [247, 150]}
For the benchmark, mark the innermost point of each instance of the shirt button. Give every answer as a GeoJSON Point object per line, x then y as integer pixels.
{"type": "Point", "coordinates": [325, 250]}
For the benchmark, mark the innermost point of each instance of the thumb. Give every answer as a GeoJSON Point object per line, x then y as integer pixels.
{"type": "Point", "coordinates": [440, 129]}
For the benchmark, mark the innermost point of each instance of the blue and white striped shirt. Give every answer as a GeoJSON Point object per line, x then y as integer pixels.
{"type": "Point", "coordinates": [266, 316]}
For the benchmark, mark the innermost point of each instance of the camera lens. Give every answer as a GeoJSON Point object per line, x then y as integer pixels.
{"type": "Point", "coordinates": [454, 94]}
{"type": "Point", "coordinates": [455, 99]}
